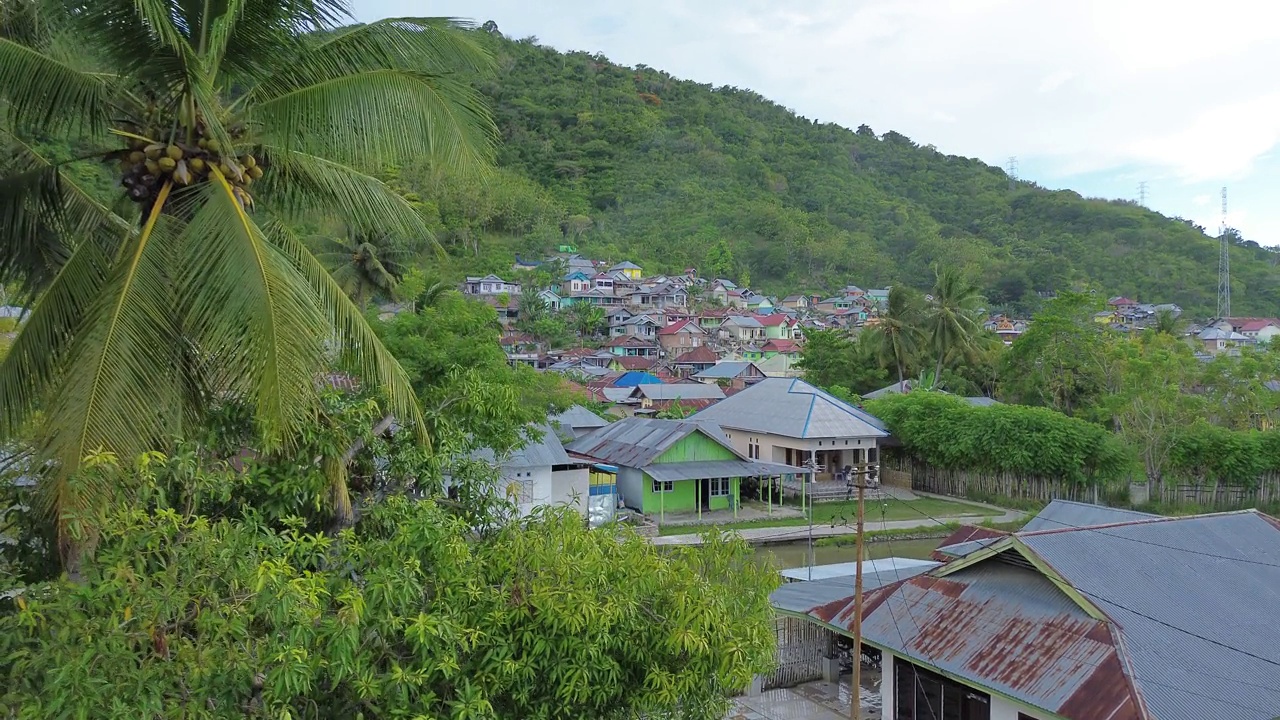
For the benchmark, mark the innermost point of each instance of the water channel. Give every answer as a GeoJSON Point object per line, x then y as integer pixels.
{"type": "Point", "coordinates": [791, 555]}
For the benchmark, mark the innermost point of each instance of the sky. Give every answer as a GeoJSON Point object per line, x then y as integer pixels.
{"type": "Point", "coordinates": [1093, 95]}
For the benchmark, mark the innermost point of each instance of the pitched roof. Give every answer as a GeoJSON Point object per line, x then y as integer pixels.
{"type": "Point", "coordinates": [546, 450]}
{"type": "Point", "coordinates": [965, 540]}
{"type": "Point", "coordinates": [636, 442]}
{"type": "Point", "coordinates": [625, 265]}
{"type": "Point", "coordinates": [792, 408]}
{"type": "Point", "coordinates": [742, 321]}
{"type": "Point", "coordinates": [701, 355]}
{"type": "Point", "coordinates": [634, 378]}
{"type": "Point", "coordinates": [1256, 324]}
{"type": "Point", "coordinates": [772, 320]}
{"type": "Point", "coordinates": [579, 417]}
{"type": "Point", "coordinates": [898, 387]}
{"type": "Point", "coordinates": [727, 369]}
{"type": "Point", "coordinates": [782, 346]}
{"type": "Point", "coordinates": [625, 341]}
{"type": "Point", "coordinates": [680, 326]}
{"type": "Point", "coordinates": [634, 362]}
{"type": "Point", "coordinates": [679, 391]}
{"type": "Point", "coordinates": [1060, 514]}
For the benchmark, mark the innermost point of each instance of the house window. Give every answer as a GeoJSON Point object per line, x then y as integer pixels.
{"type": "Point", "coordinates": [871, 455]}
{"type": "Point", "coordinates": [663, 486]}
{"type": "Point", "coordinates": [753, 450]}
{"type": "Point", "coordinates": [719, 487]}
{"type": "Point", "coordinates": [923, 695]}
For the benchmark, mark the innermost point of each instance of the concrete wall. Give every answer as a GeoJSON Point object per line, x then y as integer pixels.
{"type": "Point", "coordinates": [631, 484]}
{"type": "Point", "coordinates": [572, 487]}
{"type": "Point", "coordinates": [532, 486]}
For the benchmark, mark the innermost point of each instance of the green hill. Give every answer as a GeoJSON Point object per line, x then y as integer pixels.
{"type": "Point", "coordinates": [631, 162]}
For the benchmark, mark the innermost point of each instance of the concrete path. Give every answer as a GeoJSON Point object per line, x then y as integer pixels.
{"type": "Point", "coordinates": [766, 535]}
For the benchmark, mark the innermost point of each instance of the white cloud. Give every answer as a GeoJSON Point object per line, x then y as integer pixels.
{"type": "Point", "coordinates": [1177, 88]}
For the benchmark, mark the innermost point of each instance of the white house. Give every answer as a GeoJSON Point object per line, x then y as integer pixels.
{"type": "Point", "coordinates": [490, 285]}
{"type": "Point", "coordinates": [542, 473]}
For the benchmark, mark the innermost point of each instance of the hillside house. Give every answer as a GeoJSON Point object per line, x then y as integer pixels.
{"type": "Point", "coordinates": [741, 328]}
{"type": "Point", "coordinates": [787, 347]}
{"type": "Point", "coordinates": [1122, 305]}
{"type": "Point", "coordinates": [576, 282]}
{"type": "Point", "coordinates": [681, 337]}
{"type": "Point", "coordinates": [878, 298]}
{"type": "Point", "coordinates": [673, 466]}
{"type": "Point", "coordinates": [576, 422]}
{"type": "Point", "coordinates": [1260, 330]}
{"type": "Point", "coordinates": [550, 298]}
{"type": "Point", "coordinates": [489, 285]}
{"type": "Point", "coordinates": [1137, 619]}
{"type": "Point", "coordinates": [640, 326]}
{"type": "Point", "coordinates": [792, 422]}
{"type": "Point", "coordinates": [694, 395]}
{"type": "Point", "coordinates": [660, 297]}
{"type": "Point", "coordinates": [624, 363]}
{"type": "Point", "coordinates": [694, 361]}
{"type": "Point", "coordinates": [780, 366]}
{"type": "Point", "coordinates": [630, 346]}
{"type": "Point", "coordinates": [777, 326]}
{"type": "Point", "coordinates": [506, 306]}
{"type": "Point", "coordinates": [522, 348]}
{"type": "Point", "coordinates": [736, 374]}
{"type": "Point", "coordinates": [603, 281]}
{"type": "Point", "coordinates": [629, 269]}
{"type": "Point", "coordinates": [834, 304]}
{"type": "Point", "coordinates": [617, 319]}
{"type": "Point", "coordinates": [758, 304]}
{"type": "Point", "coordinates": [711, 319]}
{"type": "Point", "coordinates": [1217, 340]}
{"type": "Point", "coordinates": [796, 302]}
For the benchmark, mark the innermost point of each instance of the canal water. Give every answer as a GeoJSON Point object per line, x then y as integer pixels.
{"type": "Point", "coordinates": [791, 555]}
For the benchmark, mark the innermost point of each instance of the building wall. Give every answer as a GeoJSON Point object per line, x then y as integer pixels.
{"type": "Point", "coordinates": [531, 486]}
{"type": "Point", "coordinates": [1001, 708]}
{"type": "Point", "coordinates": [696, 447]}
{"type": "Point", "coordinates": [571, 487]}
{"type": "Point", "coordinates": [684, 497]}
{"type": "Point", "coordinates": [631, 484]}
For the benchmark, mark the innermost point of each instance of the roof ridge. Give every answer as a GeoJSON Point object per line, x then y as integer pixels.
{"type": "Point", "coordinates": [1138, 521]}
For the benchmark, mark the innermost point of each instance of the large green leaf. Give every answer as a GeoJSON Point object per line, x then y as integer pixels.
{"type": "Point", "coordinates": [43, 93]}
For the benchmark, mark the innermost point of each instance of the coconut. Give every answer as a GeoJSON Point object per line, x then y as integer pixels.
{"type": "Point", "coordinates": [255, 172]}
{"type": "Point", "coordinates": [196, 164]}
{"type": "Point", "coordinates": [167, 164]}
{"type": "Point", "coordinates": [152, 167]}
{"type": "Point", "coordinates": [136, 157]}
{"type": "Point", "coordinates": [154, 150]}
{"type": "Point", "coordinates": [174, 152]}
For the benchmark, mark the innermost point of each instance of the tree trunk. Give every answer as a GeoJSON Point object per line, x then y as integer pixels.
{"type": "Point", "coordinates": [335, 469]}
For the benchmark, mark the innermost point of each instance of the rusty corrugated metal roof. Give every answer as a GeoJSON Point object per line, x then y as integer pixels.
{"type": "Point", "coordinates": [636, 442]}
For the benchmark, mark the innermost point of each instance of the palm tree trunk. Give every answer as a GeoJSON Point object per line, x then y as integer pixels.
{"type": "Point", "coordinates": [937, 372]}
{"type": "Point", "coordinates": [336, 471]}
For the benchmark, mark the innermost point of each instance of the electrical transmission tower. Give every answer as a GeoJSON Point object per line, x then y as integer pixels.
{"type": "Point", "coordinates": [1224, 264]}
{"type": "Point", "coordinates": [1142, 193]}
{"type": "Point", "coordinates": [1012, 169]}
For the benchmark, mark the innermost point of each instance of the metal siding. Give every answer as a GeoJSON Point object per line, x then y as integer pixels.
{"type": "Point", "coordinates": [636, 442]}
{"type": "Point", "coordinates": [695, 447]}
{"type": "Point", "coordinates": [680, 499]}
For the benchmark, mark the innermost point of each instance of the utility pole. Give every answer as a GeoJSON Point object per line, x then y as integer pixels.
{"type": "Point", "coordinates": [855, 686]}
{"type": "Point", "coordinates": [1142, 193]}
{"type": "Point", "coordinates": [1224, 264]}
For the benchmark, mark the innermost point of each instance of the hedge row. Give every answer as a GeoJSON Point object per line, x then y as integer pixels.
{"type": "Point", "coordinates": [947, 432]}
{"type": "Point", "coordinates": [1231, 457]}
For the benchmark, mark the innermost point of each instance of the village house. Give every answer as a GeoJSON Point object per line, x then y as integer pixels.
{"type": "Point", "coordinates": [776, 326]}
{"type": "Point", "coordinates": [673, 466]}
{"type": "Point", "coordinates": [693, 395]}
{"type": "Point", "coordinates": [694, 361]}
{"type": "Point", "coordinates": [540, 473]}
{"type": "Point", "coordinates": [522, 348]}
{"type": "Point", "coordinates": [1222, 339]}
{"type": "Point", "coordinates": [506, 306]}
{"type": "Point", "coordinates": [576, 282]}
{"type": "Point", "coordinates": [1007, 330]}
{"type": "Point", "coordinates": [603, 282]}
{"type": "Point", "coordinates": [629, 269]}
{"type": "Point", "coordinates": [742, 328]}
{"type": "Point", "coordinates": [833, 304]}
{"type": "Point", "coordinates": [796, 302]}
{"type": "Point", "coordinates": [1135, 619]}
{"type": "Point", "coordinates": [1259, 330]}
{"type": "Point", "coordinates": [792, 422]}
{"type": "Point", "coordinates": [626, 363]}
{"type": "Point", "coordinates": [680, 337]}
{"type": "Point", "coordinates": [550, 298]}
{"type": "Point", "coordinates": [736, 374]}
{"type": "Point", "coordinates": [629, 345]}
{"type": "Point", "coordinates": [710, 319]}
{"type": "Point", "coordinates": [489, 285]}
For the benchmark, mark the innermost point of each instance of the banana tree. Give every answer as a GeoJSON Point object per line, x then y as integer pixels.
{"type": "Point", "coordinates": [221, 120]}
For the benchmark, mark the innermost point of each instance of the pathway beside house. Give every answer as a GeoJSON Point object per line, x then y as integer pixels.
{"type": "Point", "coordinates": [764, 535]}
{"type": "Point", "coordinates": [810, 701]}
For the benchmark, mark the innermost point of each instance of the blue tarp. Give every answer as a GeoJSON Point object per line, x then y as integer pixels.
{"type": "Point", "coordinates": [635, 378]}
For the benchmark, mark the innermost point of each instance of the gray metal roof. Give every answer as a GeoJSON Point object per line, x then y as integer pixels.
{"type": "Point", "coordinates": [1166, 581]}
{"type": "Point", "coordinates": [1060, 514]}
{"type": "Point", "coordinates": [682, 391]}
{"type": "Point", "coordinates": [727, 369]}
{"type": "Point", "coordinates": [578, 417]}
{"type": "Point", "coordinates": [544, 451]}
{"type": "Point", "coordinates": [980, 401]}
{"type": "Point", "coordinates": [792, 408]}
{"type": "Point", "coordinates": [742, 321]}
{"type": "Point", "coordinates": [850, 569]}
{"type": "Point", "coordinates": [898, 387]}
{"type": "Point", "coordinates": [720, 468]}
{"type": "Point", "coordinates": [800, 596]}
{"type": "Point", "coordinates": [636, 442]}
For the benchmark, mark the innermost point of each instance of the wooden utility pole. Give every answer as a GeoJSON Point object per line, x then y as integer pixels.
{"type": "Point", "coordinates": [855, 687]}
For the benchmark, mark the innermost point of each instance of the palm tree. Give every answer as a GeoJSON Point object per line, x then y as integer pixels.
{"type": "Point", "coordinates": [586, 318]}
{"type": "Point", "coordinates": [897, 330]}
{"type": "Point", "coordinates": [227, 119]}
{"type": "Point", "coordinates": [1168, 322]}
{"type": "Point", "coordinates": [953, 318]}
{"type": "Point", "coordinates": [361, 265]}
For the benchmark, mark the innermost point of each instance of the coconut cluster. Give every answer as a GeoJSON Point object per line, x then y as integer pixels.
{"type": "Point", "coordinates": [145, 166]}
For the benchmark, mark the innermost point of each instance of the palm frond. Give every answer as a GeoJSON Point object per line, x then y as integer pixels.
{"type": "Point", "coordinates": [302, 185]}
{"type": "Point", "coordinates": [43, 93]}
{"type": "Point", "coordinates": [116, 388]}
{"type": "Point", "coordinates": [247, 304]}
{"type": "Point", "coordinates": [254, 38]}
{"type": "Point", "coordinates": [373, 118]}
{"type": "Point", "coordinates": [44, 214]}
{"type": "Point", "coordinates": [35, 359]}
{"type": "Point", "coordinates": [362, 349]}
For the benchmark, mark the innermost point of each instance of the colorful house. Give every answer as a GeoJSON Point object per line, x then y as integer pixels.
{"type": "Point", "coordinates": [776, 326]}
{"type": "Point", "coordinates": [628, 268]}
{"type": "Point", "coordinates": [576, 282]}
{"type": "Point", "coordinates": [674, 466]}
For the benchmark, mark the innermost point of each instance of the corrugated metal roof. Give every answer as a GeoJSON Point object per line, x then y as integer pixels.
{"type": "Point", "coordinates": [578, 417]}
{"type": "Point", "coordinates": [792, 408]}
{"type": "Point", "coordinates": [850, 569]}
{"type": "Point", "coordinates": [727, 369]}
{"type": "Point", "coordinates": [634, 378]}
{"type": "Point", "coordinates": [719, 468]}
{"type": "Point", "coordinates": [684, 391]}
{"type": "Point", "coordinates": [635, 442]}
{"type": "Point", "coordinates": [1060, 514]}
{"type": "Point", "coordinates": [1213, 576]}
{"type": "Point", "coordinates": [541, 452]}
{"type": "Point", "coordinates": [967, 539]}
{"type": "Point", "coordinates": [805, 595]}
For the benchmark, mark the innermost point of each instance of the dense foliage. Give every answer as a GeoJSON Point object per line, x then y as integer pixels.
{"type": "Point", "coordinates": [1208, 453]}
{"type": "Point", "coordinates": [631, 162]}
{"type": "Point", "coordinates": [187, 611]}
{"type": "Point", "coordinates": [1029, 442]}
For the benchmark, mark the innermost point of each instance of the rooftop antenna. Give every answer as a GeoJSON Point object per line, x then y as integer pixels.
{"type": "Point", "coordinates": [1224, 264]}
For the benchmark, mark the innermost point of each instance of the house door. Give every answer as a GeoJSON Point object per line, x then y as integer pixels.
{"type": "Point", "coordinates": [704, 493]}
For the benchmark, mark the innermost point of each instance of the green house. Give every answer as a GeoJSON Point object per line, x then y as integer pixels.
{"type": "Point", "coordinates": [674, 466]}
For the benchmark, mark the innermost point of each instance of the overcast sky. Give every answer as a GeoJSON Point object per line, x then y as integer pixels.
{"type": "Point", "coordinates": [1092, 95]}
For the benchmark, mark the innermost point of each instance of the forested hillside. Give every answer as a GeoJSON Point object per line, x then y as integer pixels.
{"type": "Point", "coordinates": [631, 162]}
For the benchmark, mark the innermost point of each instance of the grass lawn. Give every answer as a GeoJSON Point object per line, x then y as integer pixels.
{"type": "Point", "coordinates": [845, 512]}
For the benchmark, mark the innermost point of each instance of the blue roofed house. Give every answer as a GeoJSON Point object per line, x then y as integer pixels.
{"type": "Point", "coordinates": [1138, 618]}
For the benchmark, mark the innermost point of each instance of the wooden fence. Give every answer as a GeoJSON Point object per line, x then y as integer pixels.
{"type": "Point", "coordinates": [802, 647]}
